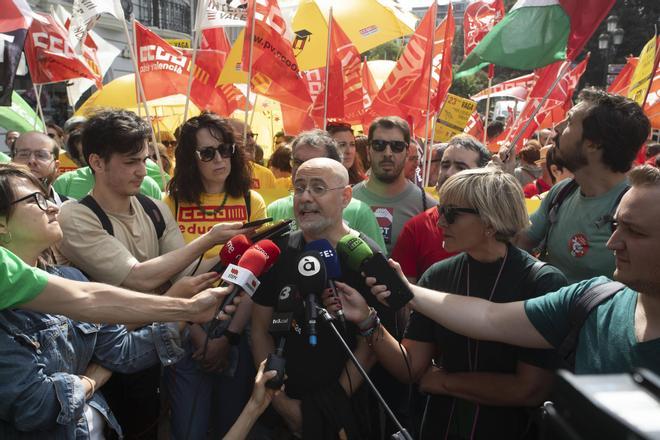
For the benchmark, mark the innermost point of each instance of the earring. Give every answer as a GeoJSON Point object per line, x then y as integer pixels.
{"type": "Point", "coordinates": [5, 238]}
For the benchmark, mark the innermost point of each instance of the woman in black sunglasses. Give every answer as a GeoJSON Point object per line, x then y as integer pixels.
{"type": "Point", "coordinates": [477, 389]}
{"type": "Point", "coordinates": [211, 184]}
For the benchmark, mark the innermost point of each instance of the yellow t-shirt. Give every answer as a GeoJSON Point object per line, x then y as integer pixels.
{"type": "Point", "coordinates": [66, 163]}
{"type": "Point", "coordinates": [262, 177]}
{"type": "Point", "coordinates": [283, 182]}
{"type": "Point", "coordinates": [193, 222]}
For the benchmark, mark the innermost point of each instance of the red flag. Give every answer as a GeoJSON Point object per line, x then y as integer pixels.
{"type": "Point", "coordinates": [652, 104]}
{"type": "Point", "coordinates": [345, 79]}
{"type": "Point", "coordinates": [295, 120]}
{"type": "Point", "coordinates": [559, 101]}
{"type": "Point", "coordinates": [479, 19]}
{"type": "Point", "coordinates": [49, 56]}
{"type": "Point", "coordinates": [216, 39]}
{"type": "Point", "coordinates": [406, 89]}
{"type": "Point", "coordinates": [621, 83]}
{"type": "Point", "coordinates": [275, 72]}
{"type": "Point", "coordinates": [442, 68]}
{"type": "Point", "coordinates": [16, 14]}
{"type": "Point", "coordinates": [206, 93]}
{"type": "Point", "coordinates": [585, 16]}
{"type": "Point", "coordinates": [518, 87]}
{"type": "Point", "coordinates": [475, 126]}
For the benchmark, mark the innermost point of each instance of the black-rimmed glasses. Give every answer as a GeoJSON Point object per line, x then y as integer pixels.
{"type": "Point", "coordinates": [39, 198]}
{"type": "Point", "coordinates": [451, 212]}
{"type": "Point", "coordinates": [207, 154]}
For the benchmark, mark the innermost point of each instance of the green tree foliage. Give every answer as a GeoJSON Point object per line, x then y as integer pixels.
{"type": "Point", "coordinates": [386, 51]}
{"type": "Point", "coordinates": [469, 85]}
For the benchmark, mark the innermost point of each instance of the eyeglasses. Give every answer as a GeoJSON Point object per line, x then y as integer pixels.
{"type": "Point", "coordinates": [253, 136]}
{"type": "Point", "coordinates": [169, 143]}
{"type": "Point", "coordinates": [316, 190]}
{"type": "Point", "coordinates": [39, 155]}
{"type": "Point", "coordinates": [39, 198]}
{"type": "Point", "coordinates": [451, 212]}
{"type": "Point", "coordinates": [207, 154]}
{"type": "Point", "coordinates": [396, 146]}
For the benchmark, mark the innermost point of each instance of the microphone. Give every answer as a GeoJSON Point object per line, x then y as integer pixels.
{"type": "Point", "coordinates": [243, 277]}
{"type": "Point", "coordinates": [231, 252]}
{"type": "Point", "coordinates": [312, 280]}
{"type": "Point", "coordinates": [359, 257]}
{"type": "Point", "coordinates": [280, 326]}
{"type": "Point", "coordinates": [332, 268]}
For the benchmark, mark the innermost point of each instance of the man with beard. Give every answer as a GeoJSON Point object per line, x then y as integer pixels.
{"type": "Point", "coordinates": [393, 198]}
{"type": "Point", "coordinates": [316, 374]}
{"type": "Point", "coordinates": [421, 241]}
{"type": "Point", "coordinates": [598, 142]}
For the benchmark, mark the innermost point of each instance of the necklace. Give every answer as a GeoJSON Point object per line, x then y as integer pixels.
{"type": "Point", "coordinates": [214, 210]}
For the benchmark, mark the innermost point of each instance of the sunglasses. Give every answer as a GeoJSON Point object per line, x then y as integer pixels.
{"type": "Point", "coordinates": [396, 146]}
{"type": "Point", "coordinates": [169, 143]}
{"type": "Point", "coordinates": [451, 212]}
{"type": "Point", "coordinates": [207, 154]}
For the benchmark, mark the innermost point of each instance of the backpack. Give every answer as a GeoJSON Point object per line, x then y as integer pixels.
{"type": "Point", "coordinates": [577, 315]}
{"type": "Point", "coordinates": [555, 204]}
{"type": "Point", "coordinates": [149, 206]}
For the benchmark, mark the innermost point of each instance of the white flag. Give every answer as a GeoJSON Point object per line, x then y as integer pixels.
{"type": "Point", "coordinates": [223, 13]}
{"type": "Point", "coordinates": [85, 14]}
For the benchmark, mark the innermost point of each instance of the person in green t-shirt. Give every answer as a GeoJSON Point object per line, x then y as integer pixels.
{"type": "Point", "coordinates": [622, 333]}
{"type": "Point", "coordinates": [78, 183]}
{"type": "Point", "coordinates": [598, 142]}
{"type": "Point", "coordinates": [357, 214]}
{"type": "Point", "coordinates": [4, 158]}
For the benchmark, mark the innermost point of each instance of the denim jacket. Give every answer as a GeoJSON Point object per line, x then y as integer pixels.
{"type": "Point", "coordinates": [41, 356]}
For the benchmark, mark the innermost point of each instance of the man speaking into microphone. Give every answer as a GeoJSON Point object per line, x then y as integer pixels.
{"type": "Point", "coordinates": [317, 382]}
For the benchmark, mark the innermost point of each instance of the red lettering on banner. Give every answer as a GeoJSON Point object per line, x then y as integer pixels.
{"type": "Point", "coordinates": [215, 214]}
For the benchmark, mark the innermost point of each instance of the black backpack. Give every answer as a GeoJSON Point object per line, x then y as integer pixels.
{"type": "Point", "coordinates": [149, 206]}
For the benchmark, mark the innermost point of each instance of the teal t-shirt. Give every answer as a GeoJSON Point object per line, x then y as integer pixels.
{"type": "Point", "coordinates": [576, 243]}
{"type": "Point", "coordinates": [19, 283]}
{"type": "Point", "coordinates": [357, 215]}
{"type": "Point", "coordinates": [607, 342]}
{"type": "Point", "coordinates": [78, 183]}
{"type": "Point", "coordinates": [4, 158]}
{"type": "Point", "coordinates": [153, 171]}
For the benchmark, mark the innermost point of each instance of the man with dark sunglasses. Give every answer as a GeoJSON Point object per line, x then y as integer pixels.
{"type": "Point", "coordinates": [393, 198]}
{"type": "Point", "coordinates": [420, 241]}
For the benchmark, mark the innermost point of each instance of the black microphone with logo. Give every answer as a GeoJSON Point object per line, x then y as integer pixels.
{"type": "Point", "coordinates": [332, 267]}
{"type": "Point", "coordinates": [312, 279]}
{"type": "Point", "coordinates": [280, 327]}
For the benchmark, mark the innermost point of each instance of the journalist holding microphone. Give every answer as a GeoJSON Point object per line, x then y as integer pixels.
{"type": "Point", "coordinates": [476, 387]}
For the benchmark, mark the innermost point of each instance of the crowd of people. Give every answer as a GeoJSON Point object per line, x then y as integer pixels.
{"type": "Point", "coordinates": [108, 274]}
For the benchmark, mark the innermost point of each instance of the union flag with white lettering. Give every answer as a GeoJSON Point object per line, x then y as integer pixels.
{"type": "Point", "coordinates": [49, 56]}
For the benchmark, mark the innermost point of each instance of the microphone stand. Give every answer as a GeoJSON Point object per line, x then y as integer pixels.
{"type": "Point", "coordinates": [402, 433]}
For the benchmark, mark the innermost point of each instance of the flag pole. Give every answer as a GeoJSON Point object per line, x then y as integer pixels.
{"type": "Point", "coordinates": [141, 93]}
{"type": "Point", "coordinates": [37, 92]}
{"type": "Point", "coordinates": [491, 74]}
{"type": "Point", "coordinates": [427, 149]}
{"type": "Point", "coordinates": [327, 71]}
{"type": "Point", "coordinates": [138, 95]}
{"type": "Point", "coordinates": [254, 108]}
{"type": "Point", "coordinates": [195, 43]}
{"type": "Point", "coordinates": [560, 74]}
{"type": "Point", "coordinates": [249, 78]}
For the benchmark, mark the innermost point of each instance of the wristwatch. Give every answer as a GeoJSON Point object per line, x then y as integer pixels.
{"type": "Point", "coordinates": [232, 338]}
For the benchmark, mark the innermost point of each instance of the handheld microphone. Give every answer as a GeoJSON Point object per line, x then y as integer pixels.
{"type": "Point", "coordinates": [280, 326]}
{"type": "Point", "coordinates": [312, 280]}
{"type": "Point", "coordinates": [231, 252]}
{"type": "Point", "coordinates": [332, 268]}
{"type": "Point", "coordinates": [243, 277]}
{"type": "Point", "coordinates": [359, 257]}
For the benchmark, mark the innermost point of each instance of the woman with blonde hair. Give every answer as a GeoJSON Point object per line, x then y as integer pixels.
{"type": "Point", "coordinates": [477, 389]}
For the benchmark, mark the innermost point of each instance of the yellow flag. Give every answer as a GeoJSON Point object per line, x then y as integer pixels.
{"type": "Point", "coordinates": [641, 80]}
{"type": "Point", "coordinates": [453, 117]}
{"type": "Point", "coordinates": [232, 72]}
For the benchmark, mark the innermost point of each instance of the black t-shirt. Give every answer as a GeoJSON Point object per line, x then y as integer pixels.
{"type": "Point", "coordinates": [308, 368]}
{"type": "Point", "coordinates": [515, 284]}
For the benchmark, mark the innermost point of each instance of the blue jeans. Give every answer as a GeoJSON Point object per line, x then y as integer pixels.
{"type": "Point", "coordinates": [219, 398]}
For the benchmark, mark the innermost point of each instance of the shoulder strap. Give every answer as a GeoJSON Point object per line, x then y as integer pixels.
{"type": "Point", "coordinates": [553, 211]}
{"type": "Point", "coordinates": [579, 312]}
{"type": "Point", "coordinates": [248, 204]}
{"type": "Point", "coordinates": [92, 204]}
{"type": "Point", "coordinates": [424, 207]}
{"type": "Point", "coordinates": [607, 218]}
{"type": "Point", "coordinates": [532, 275]}
{"type": "Point", "coordinates": [151, 209]}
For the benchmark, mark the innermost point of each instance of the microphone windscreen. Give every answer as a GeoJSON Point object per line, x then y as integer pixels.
{"type": "Point", "coordinates": [329, 255]}
{"type": "Point", "coordinates": [288, 299]}
{"type": "Point", "coordinates": [354, 250]}
{"type": "Point", "coordinates": [234, 249]}
{"type": "Point", "coordinates": [270, 250]}
{"type": "Point", "coordinates": [253, 260]}
{"type": "Point", "coordinates": [312, 277]}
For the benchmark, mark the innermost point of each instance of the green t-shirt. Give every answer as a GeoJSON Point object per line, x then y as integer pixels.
{"type": "Point", "coordinates": [607, 343]}
{"type": "Point", "coordinates": [4, 157]}
{"type": "Point", "coordinates": [576, 243]}
{"type": "Point", "coordinates": [19, 283]}
{"type": "Point", "coordinates": [357, 215]}
{"type": "Point", "coordinates": [153, 171]}
{"type": "Point", "coordinates": [78, 183]}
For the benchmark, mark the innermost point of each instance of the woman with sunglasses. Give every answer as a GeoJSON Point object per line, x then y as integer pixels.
{"type": "Point", "coordinates": [211, 184]}
{"type": "Point", "coordinates": [51, 367]}
{"type": "Point", "coordinates": [476, 389]}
